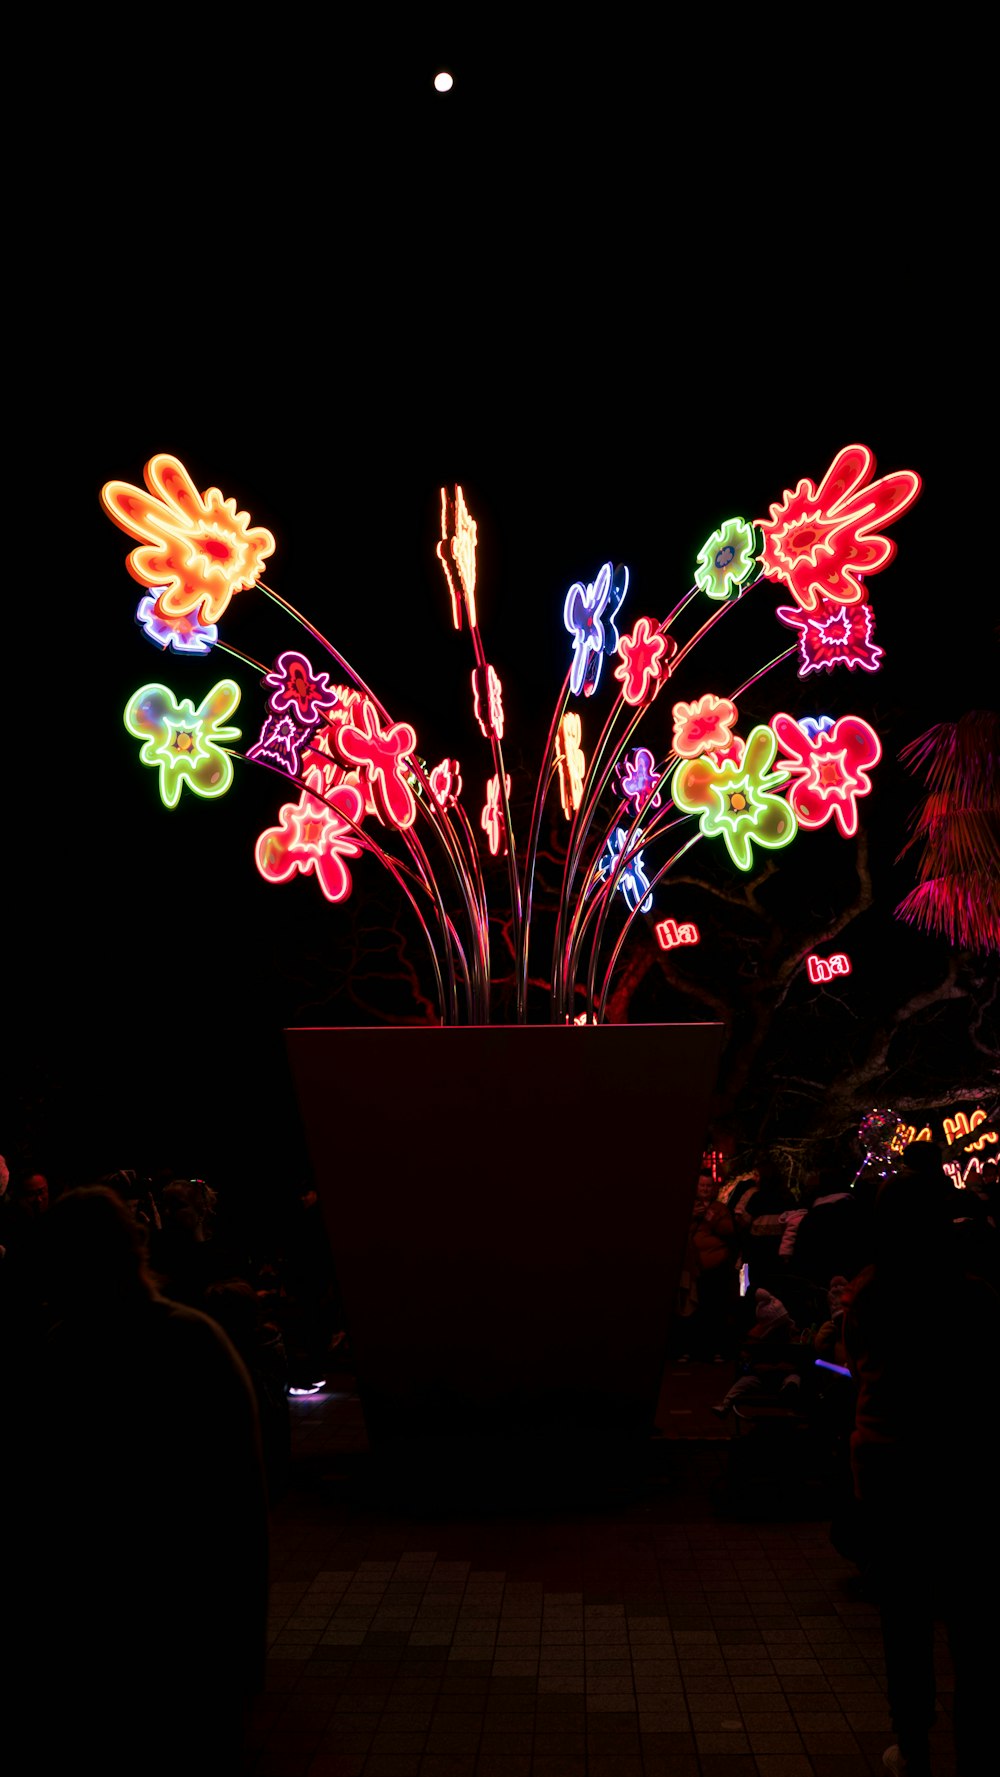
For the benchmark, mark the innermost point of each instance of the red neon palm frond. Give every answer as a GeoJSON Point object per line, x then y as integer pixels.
{"type": "Point", "coordinates": [958, 826]}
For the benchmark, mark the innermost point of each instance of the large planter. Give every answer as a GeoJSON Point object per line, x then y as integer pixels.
{"type": "Point", "coordinates": [508, 1208]}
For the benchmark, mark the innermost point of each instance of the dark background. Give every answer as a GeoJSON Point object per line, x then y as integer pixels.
{"type": "Point", "coordinates": [620, 291]}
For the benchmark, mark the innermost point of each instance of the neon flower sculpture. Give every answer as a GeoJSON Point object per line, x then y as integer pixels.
{"type": "Point", "coordinates": [185, 635]}
{"type": "Point", "coordinates": [820, 542]}
{"type": "Point", "coordinates": [834, 635]}
{"type": "Point", "coordinates": [726, 560]}
{"type": "Point", "coordinates": [187, 745]}
{"type": "Point", "coordinates": [830, 767]}
{"type": "Point", "coordinates": [197, 550]}
{"type": "Point", "coordinates": [737, 802]}
{"type": "Point", "coordinates": [365, 793]}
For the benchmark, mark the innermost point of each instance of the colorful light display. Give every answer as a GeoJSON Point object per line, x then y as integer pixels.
{"type": "Point", "coordinates": [491, 819]}
{"type": "Point", "coordinates": [835, 635]}
{"type": "Point", "coordinates": [645, 657]}
{"type": "Point", "coordinates": [820, 542]}
{"type": "Point", "coordinates": [487, 702]}
{"type": "Point", "coordinates": [457, 554]}
{"type": "Point", "coordinates": [184, 635]}
{"type": "Point", "coordinates": [738, 802]}
{"type": "Point", "coordinates": [726, 560]}
{"type": "Point", "coordinates": [830, 768]}
{"type": "Point", "coordinates": [572, 765]}
{"type": "Point", "coordinates": [186, 745]}
{"type": "Point", "coordinates": [346, 758]}
{"type": "Point", "coordinates": [589, 614]}
{"type": "Point", "coordinates": [669, 934]}
{"type": "Point", "coordinates": [197, 550]}
{"type": "Point", "coordinates": [639, 780]}
{"type": "Point", "coordinates": [313, 837]}
{"type": "Point", "coordinates": [386, 757]}
{"type": "Point", "coordinates": [824, 968]}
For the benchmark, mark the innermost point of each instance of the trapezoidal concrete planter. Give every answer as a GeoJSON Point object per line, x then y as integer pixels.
{"type": "Point", "coordinates": [508, 1208]}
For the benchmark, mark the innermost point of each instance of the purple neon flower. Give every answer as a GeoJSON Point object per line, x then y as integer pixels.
{"type": "Point", "coordinates": [589, 615]}
{"type": "Point", "coordinates": [638, 779]}
{"type": "Point", "coordinates": [281, 741]}
{"type": "Point", "coordinates": [185, 635]}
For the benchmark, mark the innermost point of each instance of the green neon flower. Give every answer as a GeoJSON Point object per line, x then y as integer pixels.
{"type": "Point", "coordinates": [736, 800]}
{"type": "Point", "coordinates": [726, 560]}
{"type": "Point", "coordinates": [185, 743]}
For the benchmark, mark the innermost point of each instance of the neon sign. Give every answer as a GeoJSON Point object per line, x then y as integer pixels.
{"type": "Point", "coordinates": [571, 763]}
{"type": "Point", "coordinates": [824, 968]}
{"type": "Point", "coordinates": [313, 838]}
{"type": "Point", "coordinates": [197, 550]}
{"type": "Point", "coordinates": [186, 745]}
{"type": "Point", "coordinates": [457, 549]}
{"type": "Point", "coordinates": [703, 726]}
{"type": "Point", "coordinates": [638, 779]}
{"type": "Point", "coordinates": [296, 687]}
{"type": "Point", "coordinates": [446, 783]}
{"type": "Point", "coordinates": [837, 635]}
{"type": "Point", "coordinates": [726, 560]}
{"type": "Point", "coordinates": [669, 933]}
{"type": "Point", "coordinates": [960, 1125]}
{"type": "Point", "coordinates": [491, 819]}
{"type": "Point", "coordinates": [645, 657]}
{"type": "Point", "coordinates": [589, 614]}
{"type": "Point", "coordinates": [281, 742]}
{"type": "Point", "coordinates": [830, 769]}
{"type": "Point", "coordinates": [737, 802]}
{"type": "Point", "coordinates": [632, 883]}
{"type": "Point", "coordinates": [487, 708]}
{"type": "Point", "coordinates": [385, 754]}
{"type": "Point", "coordinates": [185, 635]}
{"type": "Point", "coordinates": [821, 542]}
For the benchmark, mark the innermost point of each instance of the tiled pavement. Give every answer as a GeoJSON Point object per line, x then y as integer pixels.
{"type": "Point", "coordinates": [645, 1636]}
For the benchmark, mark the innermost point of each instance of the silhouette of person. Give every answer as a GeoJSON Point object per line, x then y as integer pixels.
{"type": "Point", "coordinates": [923, 1463]}
{"type": "Point", "coordinates": [141, 1501]}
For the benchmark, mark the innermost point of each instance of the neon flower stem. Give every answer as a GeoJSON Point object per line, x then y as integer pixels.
{"type": "Point", "coordinates": [531, 855]}
{"type": "Point", "coordinates": [368, 844]}
{"type": "Point", "coordinates": [632, 913]}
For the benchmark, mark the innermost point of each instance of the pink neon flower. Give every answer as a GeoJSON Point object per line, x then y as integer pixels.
{"type": "Point", "coordinates": [491, 820]}
{"type": "Point", "coordinates": [198, 551]}
{"type": "Point", "coordinates": [834, 635]}
{"type": "Point", "coordinates": [646, 657]}
{"type": "Point", "coordinates": [296, 687]}
{"type": "Point", "coordinates": [487, 702]}
{"type": "Point", "coordinates": [821, 542]}
{"type": "Point", "coordinates": [386, 756]}
{"type": "Point", "coordinates": [829, 769]}
{"type": "Point", "coordinates": [314, 838]}
{"type": "Point", "coordinates": [446, 783]}
{"type": "Point", "coordinates": [704, 726]}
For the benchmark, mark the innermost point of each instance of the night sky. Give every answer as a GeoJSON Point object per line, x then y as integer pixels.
{"type": "Point", "coordinates": [617, 312]}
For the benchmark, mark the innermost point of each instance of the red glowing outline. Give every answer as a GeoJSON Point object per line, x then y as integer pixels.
{"type": "Point", "coordinates": [842, 756]}
{"type": "Point", "coordinates": [491, 820]}
{"type": "Point", "coordinates": [458, 548]}
{"type": "Point", "coordinates": [312, 838]}
{"type": "Point", "coordinates": [385, 754]}
{"type": "Point", "coordinates": [645, 656]}
{"type": "Point", "coordinates": [823, 968]}
{"type": "Point", "coordinates": [669, 933]}
{"type": "Point", "coordinates": [821, 542]}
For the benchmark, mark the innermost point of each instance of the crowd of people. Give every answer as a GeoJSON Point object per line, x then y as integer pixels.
{"type": "Point", "coordinates": [154, 1521]}
{"type": "Point", "coordinates": [146, 1358]}
{"type": "Point", "coordinates": [877, 1291]}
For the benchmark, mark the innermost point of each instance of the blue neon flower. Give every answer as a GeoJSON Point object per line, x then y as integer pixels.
{"type": "Point", "coordinates": [633, 881]}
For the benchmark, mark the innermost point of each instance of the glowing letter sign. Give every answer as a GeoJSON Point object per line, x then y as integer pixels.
{"type": "Point", "coordinates": [669, 933]}
{"type": "Point", "coordinates": [824, 968]}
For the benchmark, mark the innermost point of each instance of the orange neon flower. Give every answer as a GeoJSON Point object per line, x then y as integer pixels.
{"type": "Point", "coordinates": [197, 550]}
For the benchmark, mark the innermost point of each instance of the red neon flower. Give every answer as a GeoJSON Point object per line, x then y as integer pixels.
{"type": "Point", "coordinates": [834, 635]}
{"type": "Point", "coordinates": [312, 838]}
{"type": "Point", "coordinates": [296, 686]}
{"type": "Point", "coordinates": [820, 542]}
{"type": "Point", "coordinates": [829, 769]}
{"type": "Point", "coordinates": [488, 699]}
{"type": "Point", "coordinates": [446, 783]}
{"type": "Point", "coordinates": [491, 820]}
{"type": "Point", "coordinates": [385, 755]}
{"type": "Point", "coordinates": [704, 726]}
{"type": "Point", "coordinates": [197, 549]}
{"type": "Point", "coordinates": [646, 655]}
